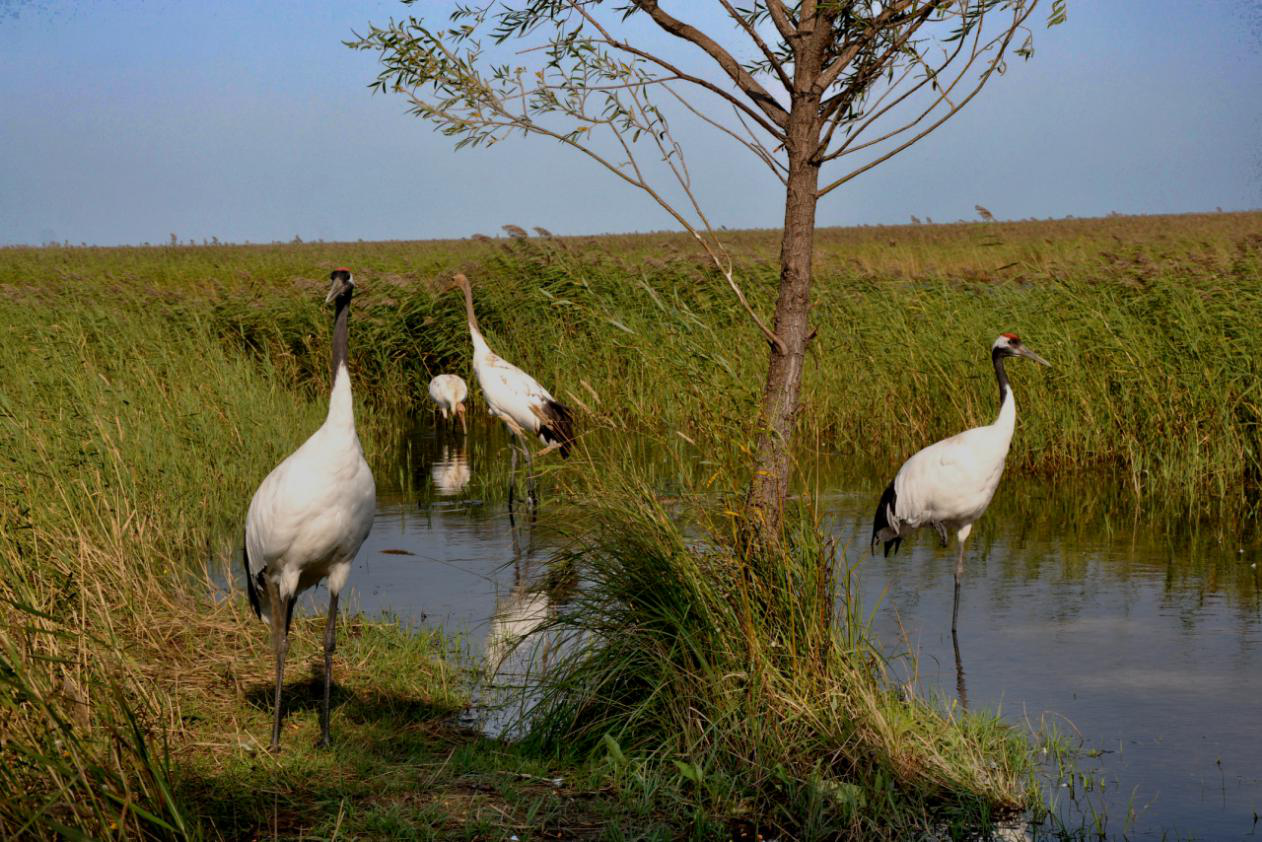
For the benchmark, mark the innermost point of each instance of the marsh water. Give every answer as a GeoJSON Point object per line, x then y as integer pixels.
{"type": "Point", "coordinates": [1137, 638]}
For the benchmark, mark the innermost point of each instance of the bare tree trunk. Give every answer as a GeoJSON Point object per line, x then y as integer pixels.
{"type": "Point", "coordinates": [778, 414]}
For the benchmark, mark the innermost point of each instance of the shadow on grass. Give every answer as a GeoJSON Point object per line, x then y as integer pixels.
{"type": "Point", "coordinates": [383, 748]}
{"type": "Point", "coordinates": [353, 704]}
{"type": "Point", "coordinates": [399, 768]}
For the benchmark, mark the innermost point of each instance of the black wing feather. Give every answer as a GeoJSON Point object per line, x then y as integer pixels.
{"type": "Point", "coordinates": [558, 426]}
{"type": "Point", "coordinates": [889, 502]}
{"type": "Point", "coordinates": [251, 587]}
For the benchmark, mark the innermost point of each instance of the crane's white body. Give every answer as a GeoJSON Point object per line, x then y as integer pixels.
{"type": "Point", "coordinates": [951, 482]}
{"type": "Point", "coordinates": [448, 391]}
{"type": "Point", "coordinates": [518, 400]}
{"type": "Point", "coordinates": [309, 517]}
{"type": "Point", "coordinates": [511, 394]}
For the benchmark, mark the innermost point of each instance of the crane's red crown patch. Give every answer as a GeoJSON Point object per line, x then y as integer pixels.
{"type": "Point", "coordinates": [1011, 337]}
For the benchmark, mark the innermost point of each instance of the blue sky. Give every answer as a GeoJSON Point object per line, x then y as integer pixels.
{"type": "Point", "coordinates": [126, 121]}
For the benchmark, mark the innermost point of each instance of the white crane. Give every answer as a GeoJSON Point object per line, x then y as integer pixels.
{"type": "Point", "coordinates": [948, 485]}
{"type": "Point", "coordinates": [310, 515]}
{"type": "Point", "coordinates": [518, 400]}
{"type": "Point", "coordinates": [449, 392]}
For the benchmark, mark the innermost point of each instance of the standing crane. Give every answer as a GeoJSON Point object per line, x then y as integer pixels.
{"type": "Point", "coordinates": [518, 400]}
{"type": "Point", "coordinates": [949, 484]}
{"type": "Point", "coordinates": [449, 392]}
{"type": "Point", "coordinates": [310, 515]}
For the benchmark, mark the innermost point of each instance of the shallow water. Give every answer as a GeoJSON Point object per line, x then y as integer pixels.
{"type": "Point", "coordinates": [1141, 639]}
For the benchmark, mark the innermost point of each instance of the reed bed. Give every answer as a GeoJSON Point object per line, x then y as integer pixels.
{"type": "Point", "coordinates": [1150, 324]}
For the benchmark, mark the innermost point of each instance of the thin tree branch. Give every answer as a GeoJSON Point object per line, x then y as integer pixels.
{"type": "Point", "coordinates": [994, 64]}
{"type": "Point", "coordinates": [780, 17]}
{"type": "Point", "coordinates": [750, 30]}
{"type": "Point", "coordinates": [752, 145]}
{"type": "Point", "coordinates": [774, 128]}
{"type": "Point", "coordinates": [830, 73]}
{"type": "Point", "coordinates": [712, 246]}
{"type": "Point", "coordinates": [739, 75]}
{"type": "Point", "coordinates": [833, 120]}
{"type": "Point", "coordinates": [931, 76]}
{"type": "Point", "coordinates": [876, 64]}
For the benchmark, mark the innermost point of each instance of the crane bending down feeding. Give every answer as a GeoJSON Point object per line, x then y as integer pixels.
{"type": "Point", "coordinates": [518, 400]}
{"type": "Point", "coordinates": [948, 485]}
{"type": "Point", "coordinates": [310, 515]}
{"type": "Point", "coordinates": [449, 392]}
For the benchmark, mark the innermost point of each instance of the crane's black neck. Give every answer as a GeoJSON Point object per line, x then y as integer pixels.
{"type": "Point", "coordinates": [340, 330]}
{"type": "Point", "coordinates": [996, 356]}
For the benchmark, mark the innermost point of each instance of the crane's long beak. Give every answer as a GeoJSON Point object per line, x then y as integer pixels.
{"type": "Point", "coordinates": [1027, 353]}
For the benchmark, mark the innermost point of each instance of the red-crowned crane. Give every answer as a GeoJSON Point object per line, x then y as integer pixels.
{"type": "Point", "coordinates": [518, 400]}
{"type": "Point", "coordinates": [449, 392]}
{"type": "Point", "coordinates": [310, 515]}
{"type": "Point", "coordinates": [948, 485]}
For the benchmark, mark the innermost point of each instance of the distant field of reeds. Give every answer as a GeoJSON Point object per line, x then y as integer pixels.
{"type": "Point", "coordinates": [1152, 325]}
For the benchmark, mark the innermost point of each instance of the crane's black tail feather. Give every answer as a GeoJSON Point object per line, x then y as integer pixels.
{"type": "Point", "coordinates": [251, 587]}
{"type": "Point", "coordinates": [881, 522]}
{"type": "Point", "coordinates": [557, 426]}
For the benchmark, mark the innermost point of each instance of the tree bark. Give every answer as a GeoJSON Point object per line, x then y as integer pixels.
{"type": "Point", "coordinates": [778, 415]}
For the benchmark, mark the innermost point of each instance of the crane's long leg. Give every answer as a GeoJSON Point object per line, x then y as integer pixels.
{"type": "Point", "coordinates": [280, 647]}
{"type": "Point", "coordinates": [330, 642]}
{"type": "Point", "coordinates": [512, 479]}
{"type": "Point", "coordinates": [959, 671]}
{"type": "Point", "coordinates": [531, 491]}
{"type": "Point", "coordinates": [959, 574]}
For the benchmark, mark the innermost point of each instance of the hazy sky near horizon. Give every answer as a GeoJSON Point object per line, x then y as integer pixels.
{"type": "Point", "coordinates": [128, 120]}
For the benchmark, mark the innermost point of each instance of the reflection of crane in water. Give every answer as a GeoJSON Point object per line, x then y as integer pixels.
{"type": "Point", "coordinates": [949, 484]}
{"type": "Point", "coordinates": [518, 613]}
{"type": "Point", "coordinates": [450, 472]}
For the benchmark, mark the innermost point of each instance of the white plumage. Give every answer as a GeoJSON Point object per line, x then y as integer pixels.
{"type": "Point", "coordinates": [516, 398]}
{"type": "Point", "coordinates": [449, 391]}
{"type": "Point", "coordinates": [949, 484]}
{"type": "Point", "coordinates": [310, 515]}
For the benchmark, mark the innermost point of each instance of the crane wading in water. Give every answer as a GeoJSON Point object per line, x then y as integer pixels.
{"type": "Point", "coordinates": [948, 485]}
{"type": "Point", "coordinates": [449, 392]}
{"type": "Point", "coordinates": [518, 400]}
{"type": "Point", "coordinates": [310, 515]}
